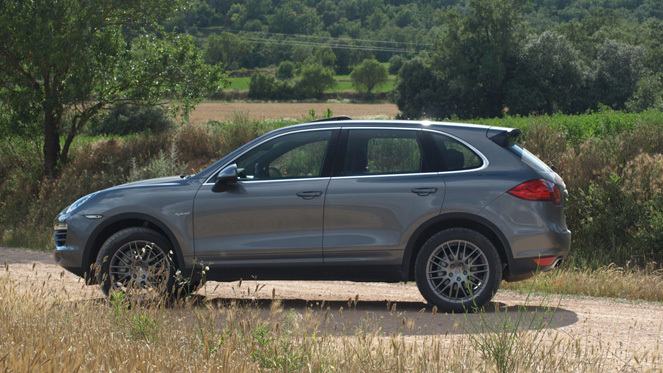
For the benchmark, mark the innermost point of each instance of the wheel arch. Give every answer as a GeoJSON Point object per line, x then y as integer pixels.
{"type": "Point", "coordinates": [454, 220]}
{"type": "Point", "coordinates": [116, 224]}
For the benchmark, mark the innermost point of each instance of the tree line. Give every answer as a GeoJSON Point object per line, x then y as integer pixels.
{"type": "Point", "coordinates": [488, 65]}
{"type": "Point", "coordinates": [64, 64]}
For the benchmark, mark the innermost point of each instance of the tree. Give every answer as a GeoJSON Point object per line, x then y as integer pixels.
{"type": "Point", "coordinates": [419, 91]}
{"type": "Point", "coordinates": [477, 54]}
{"type": "Point", "coordinates": [286, 70]}
{"type": "Point", "coordinates": [315, 79]}
{"type": "Point", "coordinates": [368, 75]}
{"type": "Point", "coordinates": [229, 50]}
{"type": "Point", "coordinates": [617, 69]}
{"type": "Point", "coordinates": [548, 78]}
{"type": "Point", "coordinates": [64, 62]}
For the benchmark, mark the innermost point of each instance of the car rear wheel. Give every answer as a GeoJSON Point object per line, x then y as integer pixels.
{"type": "Point", "coordinates": [136, 261]}
{"type": "Point", "coordinates": [458, 270]}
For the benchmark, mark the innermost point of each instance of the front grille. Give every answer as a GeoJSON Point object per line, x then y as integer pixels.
{"type": "Point", "coordinates": [60, 237]}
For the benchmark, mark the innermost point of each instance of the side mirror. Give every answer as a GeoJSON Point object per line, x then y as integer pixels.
{"type": "Point", "coordinates": [225, 177]}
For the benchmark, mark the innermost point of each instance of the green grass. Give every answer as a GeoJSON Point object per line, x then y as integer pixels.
{"type": "Point", "coordinates": [241, 84]}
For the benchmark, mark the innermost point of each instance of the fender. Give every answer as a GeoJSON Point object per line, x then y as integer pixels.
{"type": "Point", "coordinates": [94, 237]}
{"type": "Point", "coordinates": [452, 220]}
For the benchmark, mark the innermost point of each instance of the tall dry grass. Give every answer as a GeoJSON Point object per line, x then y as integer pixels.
{"type": "Point", "coordinates": [612, 163]}
{"type": "Point", "coordinates": [610, 281]}
{"type": "Point", "coordinates": [46, 330]}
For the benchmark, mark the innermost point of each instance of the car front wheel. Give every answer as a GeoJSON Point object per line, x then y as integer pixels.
{"type": "Point", "coordinates": [458, 270]}
{"type": "Point", "coordinates": [136, 261]}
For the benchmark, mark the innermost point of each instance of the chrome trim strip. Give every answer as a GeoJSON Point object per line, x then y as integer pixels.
{"type": "Point", "coordinates": [385, 175]}
{"type": "Point", "coordinates": [264, 141]}
{"type": "Point", "coordinates": [377, 126]}
{"type": "Point", "coordinates": [277, 180]}
{"type": "Point", "coordinates": [475, 150]}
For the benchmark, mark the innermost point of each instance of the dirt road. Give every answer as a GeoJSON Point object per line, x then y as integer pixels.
{"type": "Point", "coordinates": [629, 329]}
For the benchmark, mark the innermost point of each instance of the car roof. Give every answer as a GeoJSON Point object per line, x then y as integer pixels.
{"type": "Point", "coordinates": [346, 122]}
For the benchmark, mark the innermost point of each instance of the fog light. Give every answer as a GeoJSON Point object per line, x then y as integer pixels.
{"type": "Point", "coordinates": [60, 226]}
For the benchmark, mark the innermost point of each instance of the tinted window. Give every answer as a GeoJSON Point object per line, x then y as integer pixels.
{"type": "Point", "coordinates": [529, 158]}
{"type": "Point", "coordinates": [455, 156]}
{"type": "Point", "coordinates": [289, 156]}
{"type": "Point", "coordinates": [371, 152]}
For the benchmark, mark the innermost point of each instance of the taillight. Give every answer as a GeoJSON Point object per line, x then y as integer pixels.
{"type": "Point", "coordinates": [538, 190]}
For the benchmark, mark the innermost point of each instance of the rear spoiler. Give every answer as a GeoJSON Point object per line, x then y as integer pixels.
{"type": "Point", "coordinates": [503, 136]}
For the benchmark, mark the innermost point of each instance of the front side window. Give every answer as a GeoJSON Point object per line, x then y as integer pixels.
{"type": "Point", "coordinates": [382, 151]}
{"type": "Point", "coordinates": [296, 155]}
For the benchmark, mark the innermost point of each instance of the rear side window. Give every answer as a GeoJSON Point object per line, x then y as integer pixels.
{"type": "Point", "coordinates": [454, 155]}
{"type": "Point", "coordinates": [387, 151]}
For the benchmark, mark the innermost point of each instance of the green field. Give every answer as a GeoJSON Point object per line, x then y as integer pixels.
{"type": "Point", "coordinates": [241, 84]}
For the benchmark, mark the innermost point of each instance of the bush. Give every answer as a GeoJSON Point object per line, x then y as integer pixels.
{"type": "Point", "coordinates": [286, 70]}
{"type": "Point", "coordinates": [395, 63]}
{"type": "Point", "coordinates": [264, 86]}
{"type": "Point", "coordinates": [131, 119]}
{"type": "Point", "coordinates": [315, 79]}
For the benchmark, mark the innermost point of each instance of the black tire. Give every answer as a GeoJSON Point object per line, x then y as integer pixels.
{"type": "Point", "coordinates": [136, 260]}
{"type": "Point", "coordinates": [458, 270]}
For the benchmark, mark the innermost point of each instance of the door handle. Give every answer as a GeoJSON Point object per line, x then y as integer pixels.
{"type": "Point", "coordinates": [309, 194]}
{"type": "Point", "coordinates": [424, 191]}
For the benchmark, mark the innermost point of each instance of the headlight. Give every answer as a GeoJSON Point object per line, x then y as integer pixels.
{"type": "Point", "coordinates": [78, 203]}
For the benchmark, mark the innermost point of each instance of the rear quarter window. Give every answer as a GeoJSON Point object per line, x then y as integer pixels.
{"type": "Point", "coordinates": [455, 155]}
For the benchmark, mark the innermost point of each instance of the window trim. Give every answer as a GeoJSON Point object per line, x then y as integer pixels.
{"type": "Point", "coordinates": [342, 147]}
{"type": "Point", "coordinates": [324, 172]}
{"type": "Point", "coordinates": [463, 142]}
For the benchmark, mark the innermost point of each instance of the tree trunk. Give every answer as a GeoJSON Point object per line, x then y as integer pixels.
{"type": "Point", "coordinates": [51, 143]}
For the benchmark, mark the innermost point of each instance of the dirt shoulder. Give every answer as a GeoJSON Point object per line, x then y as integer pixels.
{"type": "Point", "coordinates": [631, 329]}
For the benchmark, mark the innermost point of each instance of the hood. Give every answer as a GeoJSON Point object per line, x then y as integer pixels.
{"type": "Point", "coordinates": [165, 181]}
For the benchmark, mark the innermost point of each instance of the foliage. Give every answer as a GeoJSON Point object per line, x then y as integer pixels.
{"type": "Point", "coordinates": [286, 70]}
{"type": "Point", "coordinates": [648, 94]}
{"type": "Point", "coordinates": [419, 91]}
{"type": "Point", "coordinates": [227, 49]}
{"type": "Point", "coordinates": [264, 86]}
{"type": "Point", "coordinates": [611, 162]}
{"type": "Point", "coordinates": [618, 68]}
{"type": "Point", "coordinates": [476, 57]}
{"type": "Point", "coordinates": [548, 77]}
{"type": "Point", "coordinates": [395, 63]}
{"type": "Point", "coordinates": [368, 75]}
{"type": "Point", "coordinates": [314, 80]}
{"type": "Point", "coordinates": [130, 119]}
{"type": "Point", "coordinates": [162, 165]}
{"type": "Point", "coordinates": [63, 63]}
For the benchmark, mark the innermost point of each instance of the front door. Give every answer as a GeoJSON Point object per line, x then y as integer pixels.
{"type": "Point", "coordinates": [270, 222]}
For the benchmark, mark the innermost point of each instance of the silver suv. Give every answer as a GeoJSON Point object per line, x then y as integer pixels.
{"type": "Point", "coordinates": [454, 207]}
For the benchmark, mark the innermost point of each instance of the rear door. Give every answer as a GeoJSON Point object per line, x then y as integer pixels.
{"type": "Point", "coordinates": [381, 191]}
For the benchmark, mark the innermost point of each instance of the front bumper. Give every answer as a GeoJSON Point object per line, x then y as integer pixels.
{"type": "Point", "coordinates": [70, 259]}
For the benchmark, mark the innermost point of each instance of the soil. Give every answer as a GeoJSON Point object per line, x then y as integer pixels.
{"type": "Point", "coordinates": [224, 111]}
{"type": "Point", "coordinates": [627, 329]}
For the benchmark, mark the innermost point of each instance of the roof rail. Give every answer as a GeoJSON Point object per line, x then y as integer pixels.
{"type": "Point", "coordinates": [332, 119]}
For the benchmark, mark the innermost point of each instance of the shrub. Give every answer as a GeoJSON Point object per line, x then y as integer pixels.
{"type": "Point", "coordinates": [131, 119]}
{"type": "Point", "coordinates": [286, 70]}
{"type": "Point", "coordinates": [315, 79]}
{"type": "Point", "coordinates": [395, 63]}
{"type": "Point", "coordinates": [262, 86]}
